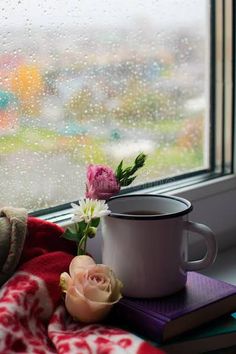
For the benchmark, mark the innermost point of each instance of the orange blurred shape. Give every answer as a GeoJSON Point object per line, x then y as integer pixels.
{"type": "Point", "coordinates": [27, 82]}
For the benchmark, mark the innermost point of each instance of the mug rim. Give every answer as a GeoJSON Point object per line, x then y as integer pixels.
{"type": "Point", "coordinates": [187, 203]}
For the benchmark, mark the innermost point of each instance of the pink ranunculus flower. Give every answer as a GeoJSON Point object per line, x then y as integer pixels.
{"type": "Point", "coordinates": [91, 289]}
{"type": "Point", "coordinates": [101, 182]}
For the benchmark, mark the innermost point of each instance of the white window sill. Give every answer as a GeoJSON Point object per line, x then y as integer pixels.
{"type": "Point", "coordinates": [224, 267]}
{"type": "Point", "coordinates": [193, 192]}
{"type": "Point", "coordinates": [207, 189]}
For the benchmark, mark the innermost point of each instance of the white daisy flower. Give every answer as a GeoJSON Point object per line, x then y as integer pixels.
{"type": "Point", "coordinates": [89, 209]}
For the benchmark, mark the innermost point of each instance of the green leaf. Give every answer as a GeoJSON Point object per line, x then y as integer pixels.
{"type": "Point", "coordinates": [72, 228]}
{"type": "Point", "coordinates": [125, 176]}
{"type": "Point", "coordinates": [119, 167]}
{"type": "Point", "coordinates": [118, 172]}
{"type": "Point", "coordinates": [128, 171]}
{"type": "Point", "coordinates": [82, 226]}
{"type": "Point", "coordinates": [130, 180]}
{"type": "Point", "coordinates": [127, 181]}
{"type": "Point", "coordinates": [95, 222]}
{"type": "Point", "coordinates": [72, 236]}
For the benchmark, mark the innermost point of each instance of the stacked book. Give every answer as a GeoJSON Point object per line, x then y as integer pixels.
{"type": "Point", "coordinates": [197, 319]}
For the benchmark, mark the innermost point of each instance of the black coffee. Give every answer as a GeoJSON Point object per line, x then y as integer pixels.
{"type": "Point", "coordinates": [143, 212]}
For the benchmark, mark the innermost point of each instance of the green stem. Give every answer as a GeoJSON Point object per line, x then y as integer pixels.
{"type": "Point", "coordinates": [86, 237]}
{"type": "Point", "coordinates": [80, 246]}
{"type": "Point", "coordinates": [83, 242]}
{"type": "Point", "coordinates": [79, 250]}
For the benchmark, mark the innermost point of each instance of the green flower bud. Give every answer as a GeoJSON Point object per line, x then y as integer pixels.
{"type": "Point", "coordinates": [140, 160]}
{"type": "Point", "coordinates": [92, 232]}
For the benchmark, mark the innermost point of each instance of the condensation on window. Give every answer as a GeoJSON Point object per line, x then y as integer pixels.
{"type": "Point", "coordinates": [95, 82]}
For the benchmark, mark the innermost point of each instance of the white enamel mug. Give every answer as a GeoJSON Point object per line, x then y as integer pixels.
{"type": "Point", "coordinates": [148, 251]}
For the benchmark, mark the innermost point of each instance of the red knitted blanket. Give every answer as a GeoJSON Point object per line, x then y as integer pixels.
{"type": "Point", "coordinates": [33, 318]}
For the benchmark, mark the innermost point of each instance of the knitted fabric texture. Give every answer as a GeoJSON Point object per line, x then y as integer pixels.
{"type": "Point", "coordinates": [13, 223]}
{"type": "Point", "coordinates": [33, 318]}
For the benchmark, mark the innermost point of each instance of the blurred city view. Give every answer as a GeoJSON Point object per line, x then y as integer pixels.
{"type": "Point", "coordinates": [74, 95]}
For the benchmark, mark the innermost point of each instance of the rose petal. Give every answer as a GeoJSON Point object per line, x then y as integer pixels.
{"type": "Point", "coordinates": [91, 290]}
{"type": "Point", "coordinates": [113, 279]}
{"type": "Point", "coordinates": [116, 286]}
{"type": "Point", "coordinates": [65, 281]}
{"type": "Point", "coordinates": [105, 196]}
{"type": "Point", "coordinates": [99, 280]}
{"type": "Point", "coordinates": [93, 293]}
{"type": "Point", "coordinates": [80, 279]}
{"type": "Point", "coordinates": [101, 182]}
{"type": "Point", "coordinates": [99, 268]}
{"type": "Point", "coordinates": [91, 171]}
{"type": "Point", "coordinates": [78, 262]}
{"type": "Point", "coordinates": [116, 291]}
{"type": "Point", "coordinates": [90, 193]}
{"type": "Point", "coordinates": [84, 310]}
{"type": "Point", "coordinates": [110, 282]}
{"type": "Point", "coordinates": [94, 285]}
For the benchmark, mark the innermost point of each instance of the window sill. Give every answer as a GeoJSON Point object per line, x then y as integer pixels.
{"type": "Point", "coordinates": [224, 267]}
{"type": "Point", "coordinates": [193, 192]}
{"type": "Point", "coordinates": [214, 205]}
{"type": "Point", "coordinates": [207, 189]}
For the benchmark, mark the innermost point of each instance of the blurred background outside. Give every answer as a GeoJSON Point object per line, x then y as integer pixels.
{"type": "Point", "coordinates": [97, 82]}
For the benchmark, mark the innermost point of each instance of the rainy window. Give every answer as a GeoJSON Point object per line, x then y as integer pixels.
{"type": "Point", "coordinates": [96, 82]}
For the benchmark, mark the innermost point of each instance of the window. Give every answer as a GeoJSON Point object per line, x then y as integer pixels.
{"type": "Point", "coordinates": [94, 82]}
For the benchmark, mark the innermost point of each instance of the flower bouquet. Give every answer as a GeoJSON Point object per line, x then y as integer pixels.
{"type": "Point", "coordinates": [91, 289]}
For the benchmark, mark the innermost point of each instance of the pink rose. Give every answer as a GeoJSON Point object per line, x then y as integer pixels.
{"type": "Point", "coordinates": [91, 289]}
{"type": "Point", "coordinates": [101, 182]}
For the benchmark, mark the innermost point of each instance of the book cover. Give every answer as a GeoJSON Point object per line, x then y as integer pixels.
{"type": "Point", "coordinates": [203, 299]}
{"type": "Point", "coordinates": [218, 334]}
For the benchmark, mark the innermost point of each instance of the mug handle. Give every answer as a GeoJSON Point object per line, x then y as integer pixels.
{"type": "Point", "coordinates": [211, 245]}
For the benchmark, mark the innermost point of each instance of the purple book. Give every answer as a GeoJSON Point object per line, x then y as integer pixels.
{"type": "Point", "coordinates": [202, 300]}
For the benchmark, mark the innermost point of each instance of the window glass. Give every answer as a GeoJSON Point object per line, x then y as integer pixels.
{"type": "Point", "coordinates": [95, 82]}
